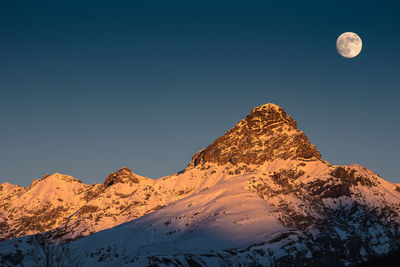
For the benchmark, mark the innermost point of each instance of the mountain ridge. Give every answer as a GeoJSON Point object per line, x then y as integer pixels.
{"type": "Point", "coordinates": [260, 193]}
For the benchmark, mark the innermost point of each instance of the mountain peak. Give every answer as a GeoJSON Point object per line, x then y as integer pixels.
{"type": "Point", "coordinates": [267, 133]}
{"type": "Point", "coordinates": [123, 174]}
{"type": "Point", "coordinates": [268, 106]}
{"type": "Point", "coordinates": [268, 114]}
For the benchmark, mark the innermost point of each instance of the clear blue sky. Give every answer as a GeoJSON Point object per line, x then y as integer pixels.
{"type": "Point", "coordinates": [89, 86]}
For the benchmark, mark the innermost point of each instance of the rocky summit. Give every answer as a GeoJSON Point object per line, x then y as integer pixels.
{"type": "Point", "coordinates": [260, 195]}
{"type": "Point", "coordinates": [266, 134]}
{"type": "Point", "coordinates": [123, 174]}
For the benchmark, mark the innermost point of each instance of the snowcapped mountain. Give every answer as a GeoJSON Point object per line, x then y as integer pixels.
{"type": "Point", "coordinates": [258, 195]}
{"type": "Point", "coordinates": [71, 209]}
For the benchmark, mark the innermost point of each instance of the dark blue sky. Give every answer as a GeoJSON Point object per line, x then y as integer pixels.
{"type": "Point", "coordinates": [89, 87]}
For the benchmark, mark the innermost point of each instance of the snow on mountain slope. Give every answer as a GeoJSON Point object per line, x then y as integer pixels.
{"type": "Point", "coordinates": [42, 205]}
{"type": "Point", "coordinates": [9, 192]}
{"type": "Point", "coordinates": [50, 189]}
{"type": "Point", "coordinates": [71, 209]}
{"type": "Point", "coordinates": [258, 195]}
{"type": "Point", "coordinates": [288, 211]}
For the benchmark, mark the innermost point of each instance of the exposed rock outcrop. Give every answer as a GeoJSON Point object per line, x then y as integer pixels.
{"type": "Point", "coordinates": [120, 176]}
{"type": "Point", "coordinates": [266, 134]}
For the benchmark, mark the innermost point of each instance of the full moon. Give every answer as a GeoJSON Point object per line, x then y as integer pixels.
{"type": "Point", "coordinates": [348, 44]}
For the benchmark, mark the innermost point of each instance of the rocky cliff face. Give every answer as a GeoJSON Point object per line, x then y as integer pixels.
{"type": "Point", "coordinates": [266, 134]}
{"type": "Point", "coordinates": [260, 195]}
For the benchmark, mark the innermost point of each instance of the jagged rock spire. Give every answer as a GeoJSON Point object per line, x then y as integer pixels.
{"type": "Point", "coordinates": [266, 134]}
